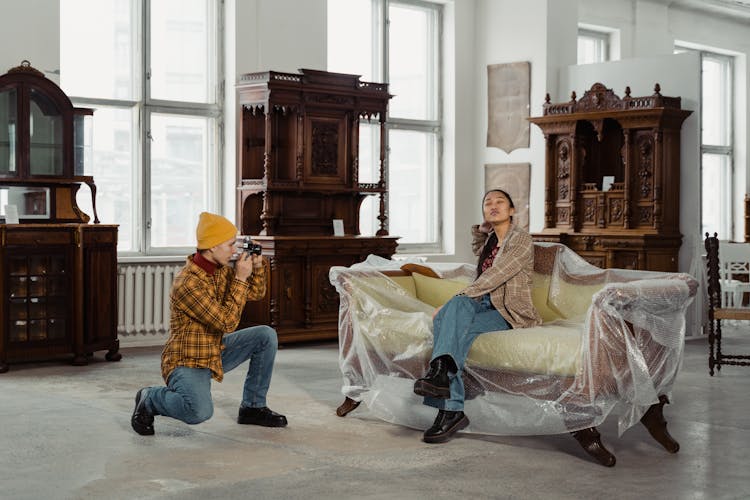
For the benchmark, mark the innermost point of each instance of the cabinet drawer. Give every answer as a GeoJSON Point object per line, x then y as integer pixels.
{"type": "Point", "coordinates": [99, 237]}
{"type": "Point", "coordinates": [39, 237]}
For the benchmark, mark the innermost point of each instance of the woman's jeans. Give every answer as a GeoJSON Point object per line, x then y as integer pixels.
{"type": "Point", "coordinates": [455, 327]}
{"type": "Point", "coordinates": [187, 396]}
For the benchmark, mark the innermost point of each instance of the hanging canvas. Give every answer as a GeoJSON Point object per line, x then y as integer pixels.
{"type": "Point", "coordinates": [508, 87]}
{"type": "Point", "coordinates": [513, 178]}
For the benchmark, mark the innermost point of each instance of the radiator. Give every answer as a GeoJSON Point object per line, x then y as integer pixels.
{"type": "Point", "coordinates": [143, 298]}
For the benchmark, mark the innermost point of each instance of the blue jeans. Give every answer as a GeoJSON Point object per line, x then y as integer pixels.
{"type": "Point", "coordinates": [455, 327]}
{"type": "Point", "coordinates": [187, 396]}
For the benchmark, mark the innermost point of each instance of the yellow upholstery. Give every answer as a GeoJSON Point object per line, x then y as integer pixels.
{"type": "Point", "coordinates": [539, 294]}
{"type": "Point", "coordinates": [570, 300]}
{"type": "Point", "coordinates": [436, 291]}
{"type": "Point", "coordinates": [407, 283]}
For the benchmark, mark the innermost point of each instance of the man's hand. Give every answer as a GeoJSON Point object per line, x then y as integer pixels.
{"type": "Point", "coordinates": [243, 267]}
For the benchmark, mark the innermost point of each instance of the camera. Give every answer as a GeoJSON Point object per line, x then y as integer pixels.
{"type": "Point", "coordinates": [249, 247]}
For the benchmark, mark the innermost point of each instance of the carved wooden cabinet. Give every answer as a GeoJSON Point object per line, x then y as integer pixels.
{"type": "Point", "coordinates": [298, 170]}
{"type": "Point", "coordinates": [58, 288]}
{"type": "Point", "coordinates": [59, 292]}
{"type": "Point", "coordinates": [633, 141]}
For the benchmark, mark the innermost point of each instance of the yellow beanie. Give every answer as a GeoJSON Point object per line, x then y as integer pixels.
{"type": "Point", "coordinates": [213, 229]}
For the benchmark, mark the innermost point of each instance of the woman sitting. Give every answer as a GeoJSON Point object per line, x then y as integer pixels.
{"type": "Point", "coordinates": [498, 299]}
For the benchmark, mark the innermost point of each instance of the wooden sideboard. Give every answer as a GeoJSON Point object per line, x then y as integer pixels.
{"type": "Point", "coordinates": [58, 292]}
{"type": "Point", "coordinates": [634, 222]}
{"type": "Point", "coordinates": [298, 170]}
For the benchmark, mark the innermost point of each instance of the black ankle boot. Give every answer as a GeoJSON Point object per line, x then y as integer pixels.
{"type": "Point", "coordinates": [435, 383]}
{"type": "Point", "coordinates": [446, 424]}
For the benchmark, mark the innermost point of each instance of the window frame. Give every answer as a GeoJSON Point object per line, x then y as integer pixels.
{"type": "Point", "coordinates": [381, 71]}
{"type": "Point", "coordinates": [601, 36]}
{"type": "Point", "coordinates": [727, 219]}
{"type": "Point", "coordinates": [144, 107]}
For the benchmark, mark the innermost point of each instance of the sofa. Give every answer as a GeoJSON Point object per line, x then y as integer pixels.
{"type": "Point", "coordinates": [611, 343]}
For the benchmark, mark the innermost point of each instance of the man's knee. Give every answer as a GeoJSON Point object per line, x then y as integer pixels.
{"type": "Point", "coordinates": [198, 413]}
{"type": "Point", "coordinates": [270, 338]}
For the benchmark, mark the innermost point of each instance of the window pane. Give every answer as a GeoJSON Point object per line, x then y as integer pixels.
{"type": "Point", "coordinates": [716, 96]}
{"type": "Point", "coordinates": [717, 195]}
{"type": "Point", "coordinates": [96, 55]}
{"type": "Point", "coordinates": [412, 70]}
{"type": "Point", "coordinates": [181, 38]}
{"type": "Point", "coordinates": [351, 44]}
{"type": "Point", "coordinates": [114, 171]}
{"type": "Point", "coordinates": [413, 161]}
{"type": "Point", "coordinates": [591, 50]}
{"type": "Point", "coordinates": [181, 160]}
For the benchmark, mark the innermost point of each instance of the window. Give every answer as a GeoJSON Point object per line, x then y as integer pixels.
{"type": "Point", "coordinates": [150, 70]}
{"type": "Point", "coordinates": [398, 41]}
{"type": "Point", "coordinates": [717, 151]}
{"type": "Point", "coordinates": [593, 46]}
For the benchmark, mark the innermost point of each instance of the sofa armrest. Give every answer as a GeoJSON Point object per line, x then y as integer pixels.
{"type": "Point", "coordinates": [634, 332]}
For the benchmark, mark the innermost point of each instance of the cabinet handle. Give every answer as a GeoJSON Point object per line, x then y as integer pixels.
{"type": "Point", "coordinates": [289, 293]}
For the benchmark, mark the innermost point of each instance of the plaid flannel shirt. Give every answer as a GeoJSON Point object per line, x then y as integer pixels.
{"type": "Point", "coordinates": [203, 308]}
{"type": "Point", "coordinates": [508, 280]}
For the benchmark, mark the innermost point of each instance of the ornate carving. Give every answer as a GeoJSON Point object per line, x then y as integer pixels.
{"type": "Point", "coordinates": [325, 143]}
{"type": "Point", "coordinates": [645, 215]}
{"type": "Point", "coordinates": [615, 210]}
{"type": "Point", "coordinates": [645, 164]}
{"type": "Point", "coordinates": [562, 215]}
{"type": "Point", "coordinates": [26, 67]}
{"type": "Point", "coordinates": [589, 210]}
{"type": "Point", "coordinates": [328, 297]}
{"type": "Point", "coordinates": [563, 170]}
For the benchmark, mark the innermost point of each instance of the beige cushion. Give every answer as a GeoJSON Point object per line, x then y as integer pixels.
{"type": "Point", "coordinates": [571, 301]}
{"type": "Point", "coordinates": [436, 291]}
{"type": "Point", "coordinates": [549, 349]}
{"type": "Point", "coordinates": [407, 283]}
{"type": "Point", "coordinates": [539, 295]}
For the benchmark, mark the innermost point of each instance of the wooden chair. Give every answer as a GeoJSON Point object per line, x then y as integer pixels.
{"type": "Point", "coordinates": [717, 313]}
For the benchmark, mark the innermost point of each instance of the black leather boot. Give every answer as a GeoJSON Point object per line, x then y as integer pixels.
{"type": "Point", "coordinates": [446, 424]}
{"type": "Point", "coordinates": [435, 383]}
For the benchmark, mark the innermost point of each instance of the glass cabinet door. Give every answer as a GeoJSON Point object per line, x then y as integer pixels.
{"type": "Point", "coordinates": [8, 124]}
{"type": "Point", "coordinates": [46, 135]}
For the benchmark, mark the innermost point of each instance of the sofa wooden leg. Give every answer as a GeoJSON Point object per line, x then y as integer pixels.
{"type": "Point", "coordinates": [654, 421]}
{"type": "Point", "coordinates": [590, 441]}
{"type": "Point", "coordinates": [348, 405]}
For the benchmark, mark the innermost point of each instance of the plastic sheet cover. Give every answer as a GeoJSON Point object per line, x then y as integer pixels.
{"type": "Point", "coordinates": [611, 343]}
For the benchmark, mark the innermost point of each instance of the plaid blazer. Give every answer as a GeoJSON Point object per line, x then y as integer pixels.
{"type": "Point", "coordinates": [203, 308]}
{"type": "Point", "coordinates": [508, 280]}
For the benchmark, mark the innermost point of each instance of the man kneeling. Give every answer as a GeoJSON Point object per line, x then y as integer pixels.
{"type": "Point", "coordinates": [206, 301]}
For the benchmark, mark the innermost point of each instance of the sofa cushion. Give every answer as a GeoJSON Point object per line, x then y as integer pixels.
{"type": "Point", "coordinates": [407, 283]}
{"type": "Point", "coordinates": [571, 300]}
{"type": "Point", "coordinates": [550, 349]}
{"type": "Point", "coordinates": [539, 295]}
{"type": "Point", "coordinates": [436, 291]}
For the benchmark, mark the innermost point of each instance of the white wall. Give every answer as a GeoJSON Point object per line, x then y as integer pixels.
{"type": "Point", "coordinates": [266, 35]}
{"type": "Point", "coordinates": [542, 32]}
{"type": "Point", "coordinates": [31, 30]}
{"type": "Point", "coordinates": [649, 28]}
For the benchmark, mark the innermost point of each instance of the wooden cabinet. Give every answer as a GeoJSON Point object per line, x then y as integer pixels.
{"type": "Point", "coordinates": [59, 293]}
{"type": "Point", "coordinates": [298, 170]}
{"type": "Point", "coordinates": [635, 142]}
{"type": "Point", "coordinates": [58, 289]}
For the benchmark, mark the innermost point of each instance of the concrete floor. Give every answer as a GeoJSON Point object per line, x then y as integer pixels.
{"type": "Point", "coordinates": [66, 434]}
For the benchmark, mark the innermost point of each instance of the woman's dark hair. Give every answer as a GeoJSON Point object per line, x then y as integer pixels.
{"type": "Point", "coordinates": [492, 240]}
